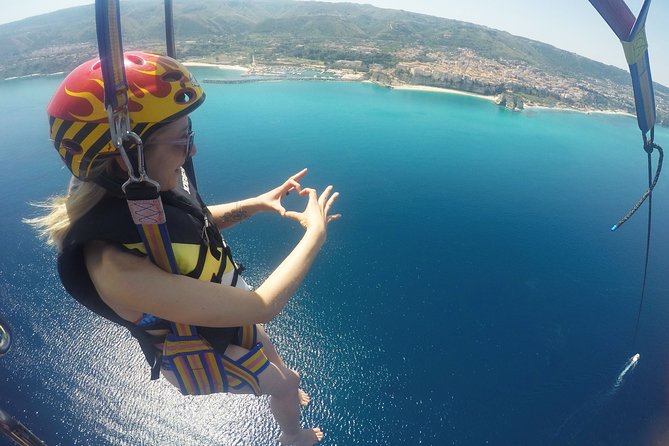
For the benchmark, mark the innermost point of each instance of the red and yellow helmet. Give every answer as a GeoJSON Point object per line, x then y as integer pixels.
{"type": "Point", "coordinates": [160, 90]}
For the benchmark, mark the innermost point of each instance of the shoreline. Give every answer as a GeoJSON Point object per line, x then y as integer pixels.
{"type": "Point", "coordinates": [493, 98]}
{"type": "Point", "coordinates": [27, 76]}
{"type": "Point", "coordinates": [217, 65]}
{"type": "Point", "coordinates": [409, 87]}
{"type": "Point", "coordinates": [578, 110]}
{"type": "Point", "coordinates": [349, 77]}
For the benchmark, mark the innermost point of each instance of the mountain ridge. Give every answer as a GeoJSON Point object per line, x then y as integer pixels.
{"type": "Point", "coordinates": [388, 46]}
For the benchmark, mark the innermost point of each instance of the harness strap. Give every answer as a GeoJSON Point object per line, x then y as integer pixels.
{"type": "Point", "coordinates": [200, 370]}
{"type": "Point", "coordinates": [198, 367]}
{"type": "Point", "coordinates": [141, 192]}
{"type": "Point", "coordinates": [632, 34]}
{"type": "Point", "coordinates": [148, 214]}
{"type": "Point", "coordinates": [631, 31]}
{"type": "Point", "coordinates": [110, 48]}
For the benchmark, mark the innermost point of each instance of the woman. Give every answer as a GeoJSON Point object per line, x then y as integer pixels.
{"type": "Point", "coordinates": [103, 263]}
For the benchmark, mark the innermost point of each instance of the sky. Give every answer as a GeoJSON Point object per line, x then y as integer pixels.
{"type": "Point", "coordinates": [572, 25]}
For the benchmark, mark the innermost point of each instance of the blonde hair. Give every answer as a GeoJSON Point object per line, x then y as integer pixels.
{"type": "Point", "coordinates": [63, 211]}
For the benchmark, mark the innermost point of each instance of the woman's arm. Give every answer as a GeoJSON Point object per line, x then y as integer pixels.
{"type": "Point", "coordinates": [229, 214]}
{"type": "Point", "coordinates": [128, 283]}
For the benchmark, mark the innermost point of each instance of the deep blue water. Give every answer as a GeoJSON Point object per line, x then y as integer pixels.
{"type": "Point", "coordinates": [471, 294]}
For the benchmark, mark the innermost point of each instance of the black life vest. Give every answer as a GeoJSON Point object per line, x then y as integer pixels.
{"type": "Point", "coordinates": [198, 246]}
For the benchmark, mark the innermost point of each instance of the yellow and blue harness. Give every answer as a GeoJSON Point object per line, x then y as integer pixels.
{"type": "Point", "coordinates": [136, 219]}
{"type": "Point", "coordinates": [196, 355]}
{"type": "Point", "coordinates": [201, 370]}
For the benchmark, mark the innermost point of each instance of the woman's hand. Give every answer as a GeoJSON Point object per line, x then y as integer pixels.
{"type": "Point", "coordinates": [271, 201]}
{"type": "Point", "coordinates": [316, 214]}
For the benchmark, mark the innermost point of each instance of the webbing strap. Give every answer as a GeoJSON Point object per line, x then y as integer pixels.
{"type": "Point", "coordinates": [632, 34]}
{"type": "Point", "coordinates": [141, 192]}
{"type": "Point", "coordinates": [201, 371]}
{"type": "Point", "coordinates": [110, 48]}
{"type": "Point", "coordinates": [148, 214]}
{"type": "Point", "coordinates": [184, 330]}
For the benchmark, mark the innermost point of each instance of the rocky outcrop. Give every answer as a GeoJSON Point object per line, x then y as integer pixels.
{"type": "Point", "coordinates": [510, 100]}
{"type": "Point", "coordinates": [417, 75]}
{"type": "Point", "coordinates": [348, 64]}
{"type": "Point", "coordinates": [381, 78]}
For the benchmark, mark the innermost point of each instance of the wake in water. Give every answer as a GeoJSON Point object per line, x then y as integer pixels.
{"type": "Point", "coordinates": [631, 364]}
{"type": "Point", "coordinates": [579, 419]}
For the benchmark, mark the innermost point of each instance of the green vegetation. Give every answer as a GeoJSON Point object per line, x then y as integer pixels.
{"type": "Point", "coordinates": [275, 29]}
{"type": "Point", "coordinates": [386, 44]}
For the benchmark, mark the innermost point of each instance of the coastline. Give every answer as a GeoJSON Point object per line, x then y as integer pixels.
{"type": "Point", "coordinates": [441, 90]}
{"type": "Point", "coordinates": [346, 76]}
{"type": "Point", "coordinates": [493, 99]}
{"type": "Point", "coordinates": [217, 65]}
{"type": "Point", "coordinates": [27, 76]}
{"type": "Point", "coordinates": [578, 110]}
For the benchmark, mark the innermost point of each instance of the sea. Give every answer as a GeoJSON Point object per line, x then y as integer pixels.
{"type": "Point", "coordinates": [471, 294]}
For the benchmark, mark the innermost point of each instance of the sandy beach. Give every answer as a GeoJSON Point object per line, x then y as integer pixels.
{"type": "Point", "coordinates": [526, 107]}
{"type": "Point", "coordinates": [441, 90]}
{"type": "Point", "coordinates": [577, 110]}
{"type": "Point", "coordinates": [349, 77]}
{"type": "Point", "coordinates": [216, 65]}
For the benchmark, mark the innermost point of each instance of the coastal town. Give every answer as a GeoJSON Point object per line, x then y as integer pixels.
{"type": "Point", "coordinates": [395, 49]}
{"type": "Point", "coordinates": [510, 83]}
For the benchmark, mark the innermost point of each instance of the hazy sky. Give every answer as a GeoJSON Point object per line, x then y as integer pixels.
{"type": "Point", "coordinates": [572, 25]}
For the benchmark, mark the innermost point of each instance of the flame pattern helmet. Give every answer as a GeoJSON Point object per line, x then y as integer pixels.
{"type": "Point", "coordinates": [160, 90]}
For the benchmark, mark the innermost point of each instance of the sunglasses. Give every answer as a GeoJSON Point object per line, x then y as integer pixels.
{"type": "Point", "coordinates": [187, 143]}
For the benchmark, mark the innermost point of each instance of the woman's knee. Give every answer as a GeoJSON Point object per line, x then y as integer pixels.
{"type": "Point", "coordinates": [286, 382]}
{"type": "Point", "coordinates": [291, 379]}
{"type": "Point", "coordinates": [294, 377]}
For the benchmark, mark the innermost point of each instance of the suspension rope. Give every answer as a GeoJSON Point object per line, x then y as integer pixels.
{"type": "Point", "coordinates": [169, 29]}
{"type": "Point", "coordinates": [645, 266]}
{"type": "Point", "coordinates": [649, 148]}
{"type": "Point", "coordinates": [631, 32]}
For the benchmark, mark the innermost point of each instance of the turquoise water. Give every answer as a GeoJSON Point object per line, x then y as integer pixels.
{"type": "Point", "coordinates": [471, 294]}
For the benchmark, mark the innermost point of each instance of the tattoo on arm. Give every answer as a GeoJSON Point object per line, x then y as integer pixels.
{"type": "Point", "coordinates": [235, 216]}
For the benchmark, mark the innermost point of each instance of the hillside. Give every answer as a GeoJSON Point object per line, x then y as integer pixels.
{"type": "Point", "coordinates": [387, 46]}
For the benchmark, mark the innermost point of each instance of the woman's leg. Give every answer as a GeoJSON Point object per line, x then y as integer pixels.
{"type": "Point", "coordinates": [275, 358]}
{"type": "Point", "coordinates": [268, 347]}
{"type": "Point", "coordinates": [281, 384]}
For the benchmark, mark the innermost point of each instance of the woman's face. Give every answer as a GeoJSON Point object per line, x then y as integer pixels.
{"type": "Point", "coordinates": [166, 152]}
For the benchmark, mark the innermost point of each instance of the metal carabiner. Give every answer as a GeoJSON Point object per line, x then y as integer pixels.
{"type": "Point", "coordinates": [135, 176]}
{"type": "Point", "coordinates": [141, 175]}
{"type": "Point", "coordinates": [649, 144]}
{"type": "Point", "coordinates": [119, 124]}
